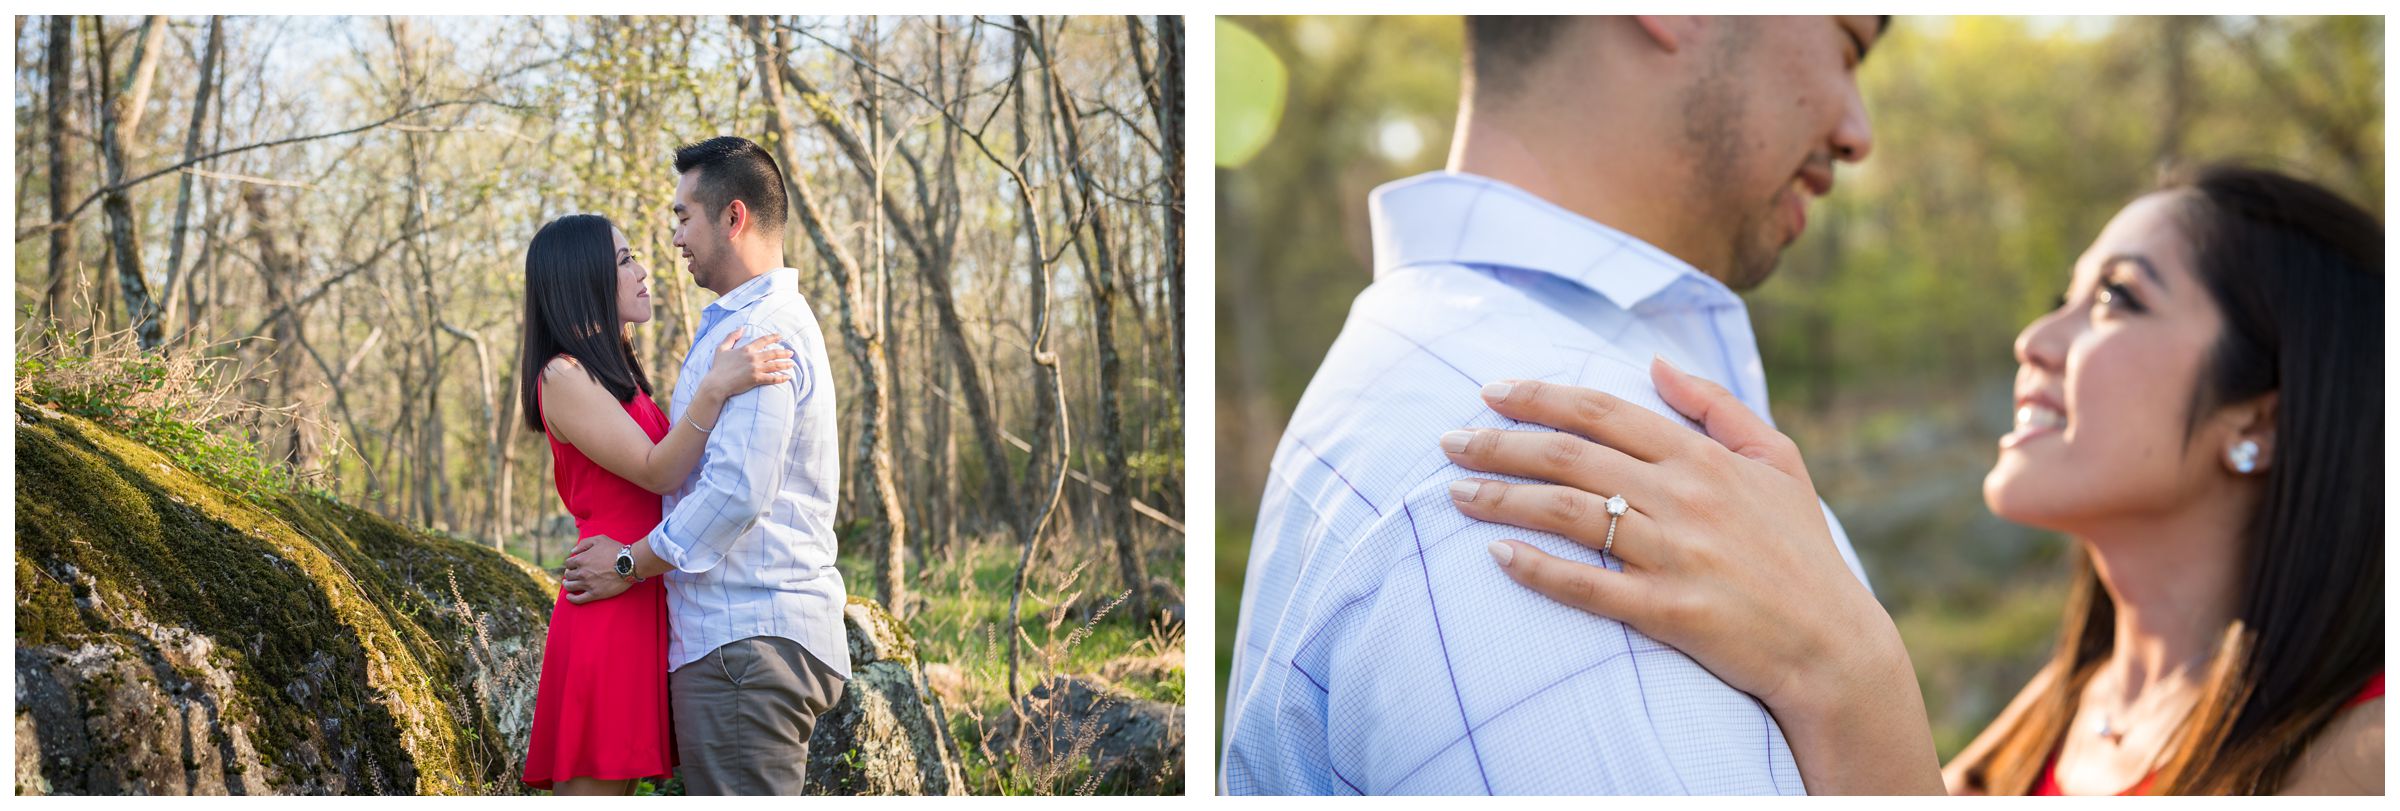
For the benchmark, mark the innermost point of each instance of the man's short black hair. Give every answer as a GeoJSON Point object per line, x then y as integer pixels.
{"type": "Point", "coordinates": [1500, 48]}
{"type": "Point", "coordinates": [733, 168]}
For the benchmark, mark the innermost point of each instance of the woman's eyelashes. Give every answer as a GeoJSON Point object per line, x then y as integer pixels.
{"type": "Point", "coordinates": [2112, 295]}
{"type": "Point", "coordinates": [2116, 295]}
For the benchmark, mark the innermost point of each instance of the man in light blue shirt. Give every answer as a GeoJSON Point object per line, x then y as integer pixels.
{"type": "Point", "coordinates": [1613, 182]}
{"type": "Point", "coordinates": [754, 603]}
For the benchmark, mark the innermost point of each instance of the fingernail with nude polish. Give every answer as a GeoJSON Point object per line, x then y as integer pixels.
{"type": "Point", "coordinates": [1456, 441]}
{"type": "Point", "coordinates": [1498, 392]}
{"type": "Point", "coordinates": [1465, 490]}
{"type": "Point", "coordinates": [1501, 552]}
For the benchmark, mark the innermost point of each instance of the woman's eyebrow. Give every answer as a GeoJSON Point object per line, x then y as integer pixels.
{"type": "Point", "coordinates": [2139, 261]}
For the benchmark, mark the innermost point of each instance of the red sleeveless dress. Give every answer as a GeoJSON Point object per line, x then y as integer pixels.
{"type": "Point", "coordinates": [601, 708]}
{"type": "Point", "coordinates": [2049, 786]}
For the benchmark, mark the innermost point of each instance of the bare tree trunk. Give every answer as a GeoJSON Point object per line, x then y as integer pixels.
{"type": "Point", "coordinates": [864, 340]}
{"type": "Point", "coordinates": [932, 257]}
{"type": "Point", "coordinates": [277, 268]}
{"type": "Point", "coordinates": [1045, 411]}
{"type": "Point", "coordinates": [432, 490]}
{"type": "Point", "coordinates": [61, 90]}
{"type": "Point", "coordinates": [1100, 276]}
{"type": "Point", "coordinates": [1164, 88]}
{"type": "Point", "coordinates": [941, 475]}
{"type": "Point", "coordinates": [213, 237]}
{"type": "Point", "coordinates": [882, 388]}
{"type": "Point", "coordinates": [191, 149]}
{"type": "Point", "coordinates": [505, 448]}
{"type": "Point", "coordinates": [1046, 379]}
{"type": "Point", "coordinates": [491, 416]}
{"type": "Point", "coordinates": [120, 124]}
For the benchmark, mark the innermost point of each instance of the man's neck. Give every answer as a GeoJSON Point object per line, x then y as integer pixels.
{"type": "Point", "coordinates": [1608, 176]}
{"type": "Point", "coordinates": [748, 266]}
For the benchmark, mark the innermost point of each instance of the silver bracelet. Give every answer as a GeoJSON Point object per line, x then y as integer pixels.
{"type": "Point", "coordinates": [695, 424]}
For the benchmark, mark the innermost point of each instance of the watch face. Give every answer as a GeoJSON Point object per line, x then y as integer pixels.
{"type": "Point", "coordinates": [625, 566]}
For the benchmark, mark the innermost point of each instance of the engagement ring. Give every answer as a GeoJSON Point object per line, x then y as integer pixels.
{"type": "Point", "coordinates": [1616, 510]}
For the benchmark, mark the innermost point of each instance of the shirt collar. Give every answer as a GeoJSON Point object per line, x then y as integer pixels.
{"type": "Point", "coordinates": [1460, 218]}
{"type": "Point", "coordinates": [743, 295]}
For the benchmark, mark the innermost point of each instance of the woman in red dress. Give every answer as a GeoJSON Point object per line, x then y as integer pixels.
{"type": "Point", "coordinates": [600, 713]}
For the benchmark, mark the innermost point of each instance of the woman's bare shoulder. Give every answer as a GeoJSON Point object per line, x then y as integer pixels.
{"type": "Point", "coordinates": [2346, 758]}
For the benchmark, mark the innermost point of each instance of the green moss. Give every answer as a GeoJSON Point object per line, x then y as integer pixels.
{"type": "Point", "coordinates": [332, 621]}
{"type": "Point", "coordinates": [888, 626]}
{"type": "Point", "coordinates": [46, 612]}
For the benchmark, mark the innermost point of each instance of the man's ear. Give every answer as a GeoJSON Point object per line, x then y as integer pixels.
{"type": "Point", "coordinates": [737, 218]}
{"type": "Point", "coordinates": [1670, 33]}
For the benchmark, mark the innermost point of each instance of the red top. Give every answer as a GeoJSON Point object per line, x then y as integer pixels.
{"type": "Point", "coordinates": [605, 503]}
{"type": "Point", "coordinates": [2049, 786]}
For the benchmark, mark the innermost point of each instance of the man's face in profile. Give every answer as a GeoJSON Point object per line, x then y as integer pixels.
{"type": "Point", "coordinates": [1775, 106]}
{"type": "Point", "coordinates": [697, 233]}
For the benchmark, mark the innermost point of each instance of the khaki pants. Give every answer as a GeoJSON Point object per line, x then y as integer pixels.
{"type": "Point", "coordinates": [743, 714]}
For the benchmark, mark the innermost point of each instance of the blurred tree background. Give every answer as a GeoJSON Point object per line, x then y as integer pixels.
{"type": "Point", "coordinates": [331, 214]}
{"type": "Point", "coordinates": [2002, 146]}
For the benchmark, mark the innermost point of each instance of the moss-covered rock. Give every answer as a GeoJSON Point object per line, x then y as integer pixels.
{"type": "Point", "coordinates": [174, 639]}
{"type": "Point", "coordinates": [886, 733]}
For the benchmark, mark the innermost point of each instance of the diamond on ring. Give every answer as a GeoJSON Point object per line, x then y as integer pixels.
{"type": "Point", "coordinates": [1616, 510]}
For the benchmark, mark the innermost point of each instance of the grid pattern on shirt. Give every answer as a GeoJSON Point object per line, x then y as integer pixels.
{"type": "Point", "coordinates": [1382, 651]}
{"type": "Point", "coordinates": [751, 531]}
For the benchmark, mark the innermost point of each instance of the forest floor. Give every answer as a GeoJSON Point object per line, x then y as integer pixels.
{"type": "Point", "coordinates": [1071, 625]}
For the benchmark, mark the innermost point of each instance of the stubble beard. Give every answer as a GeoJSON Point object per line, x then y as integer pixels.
{"type": "Point", "coordinates": [1715, 125]}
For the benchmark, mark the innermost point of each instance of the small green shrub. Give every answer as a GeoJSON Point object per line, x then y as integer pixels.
{"type": "Point", "coordinates": [174, 403]}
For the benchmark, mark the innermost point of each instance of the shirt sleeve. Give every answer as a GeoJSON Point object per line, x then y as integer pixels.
{"type": "Point", "coordinates": [1416, 666]}
{"type": "Point", "coordinates": [1441, 675]}
{"type": "Point", "coordinates": [740, 473]}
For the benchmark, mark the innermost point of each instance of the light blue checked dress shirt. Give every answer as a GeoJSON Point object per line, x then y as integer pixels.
{"type": "Point", "coordinates": [1380, 650]}
{"type": "Point", "coordinates": [750, 533]}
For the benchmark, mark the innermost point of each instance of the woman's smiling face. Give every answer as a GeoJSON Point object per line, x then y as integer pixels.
{"type": "Point", "coordinates": [2104, 430]}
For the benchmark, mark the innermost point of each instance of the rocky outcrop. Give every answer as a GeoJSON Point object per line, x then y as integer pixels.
{"type": "Point", "coordinates": [172, 638]}
{"type": "Point", "coordinates": [1132, 745]}
{"type": "Point", "coordinates": [887, 734]}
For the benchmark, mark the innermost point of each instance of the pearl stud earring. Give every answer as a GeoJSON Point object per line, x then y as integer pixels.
{"type": "Point", "coordinates": [2244, 456]}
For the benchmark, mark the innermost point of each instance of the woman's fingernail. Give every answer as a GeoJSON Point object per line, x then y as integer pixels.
{"type": "Point", "coordinates": [1501, 552]}
{"type": "Point", "coordinates": [1465, 489]}
{"type": "Point", "coordinates": [1497, 392]}
{"type": "Point", "coordinates": [1456, 441]}
{"type": "Point", "coordinates": [1662, 361]}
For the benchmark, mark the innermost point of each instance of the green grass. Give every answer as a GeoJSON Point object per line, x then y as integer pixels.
{"type": "Point", "coordinates": [963, 621]}
{"type": "Point", "coordinates": [960, 619]}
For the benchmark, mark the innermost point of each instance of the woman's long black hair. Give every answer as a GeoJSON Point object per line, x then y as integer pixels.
{"type": "Point", "coordinates": [2297, 272]}
{"type": "Point", "coordinates": [571, 308]}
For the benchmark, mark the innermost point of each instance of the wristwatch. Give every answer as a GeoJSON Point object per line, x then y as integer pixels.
{"type": "Point", "coordinates": [625, 564]}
